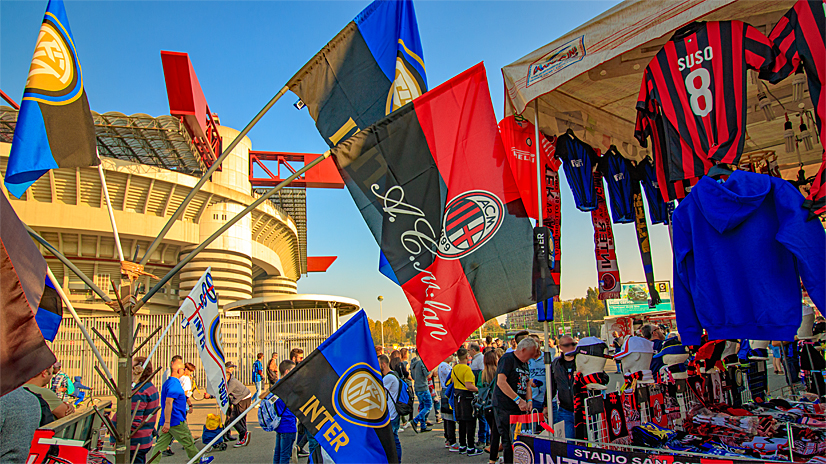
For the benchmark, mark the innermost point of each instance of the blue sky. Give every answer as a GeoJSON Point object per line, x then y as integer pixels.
{"type": "Point", "coordinates": [244, 52]}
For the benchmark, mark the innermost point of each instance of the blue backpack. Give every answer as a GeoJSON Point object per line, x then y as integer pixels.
{"type": "Point", "coordinates": [268, 416]}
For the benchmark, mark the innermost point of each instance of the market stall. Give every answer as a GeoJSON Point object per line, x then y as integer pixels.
{"type": "Point", "coordinates": [708, 108]}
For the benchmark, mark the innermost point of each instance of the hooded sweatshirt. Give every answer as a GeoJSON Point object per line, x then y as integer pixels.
{"type": "Point", "coordinates": [740, 251]}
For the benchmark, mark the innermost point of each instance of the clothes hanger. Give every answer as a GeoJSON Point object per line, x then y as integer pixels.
{"type": "Point", "coordinates": [718, 170]}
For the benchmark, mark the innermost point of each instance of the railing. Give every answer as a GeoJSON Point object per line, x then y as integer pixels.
{"type": "Point", "coordinates": [83, 425]}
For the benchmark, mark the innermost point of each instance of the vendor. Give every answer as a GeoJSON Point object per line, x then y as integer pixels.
{"type": "Point", "coordinates": [563, 369]}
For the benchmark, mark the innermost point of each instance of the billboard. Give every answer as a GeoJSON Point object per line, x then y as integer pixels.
{"type": "Point", "coordinates": [634, 299]}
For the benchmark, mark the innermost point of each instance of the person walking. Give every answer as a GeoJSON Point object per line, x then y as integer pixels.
{"type": "Point", "coordinates": [420, 378]}
{"type": "Point", "coordinates": [240, 398]}
{"type": "Point", "coordinates": [258, 375]}
{"type": "Point", "coordinates": [486, 384]}
{"type": "Point", "coordinates": [287, 428]}
{"type": "Point", "coordinates": [392, 385]}
{"type": "Point", "coordinates": [172, 421]}
{"type": "Point", "coordinates": [272, 370]}
{"type": "Point", "coordinates": [443, 371]}
{"type": "Point", "coordinates": [512, 394]}
{"type": "Point", "coordinates": [144, 403]}
{"type": "Point", "coordinates": [464, 384]}
{"type": "Point", "coordinates": [62, 385]}
{"type": "Point", "coordinates": [563, 370]}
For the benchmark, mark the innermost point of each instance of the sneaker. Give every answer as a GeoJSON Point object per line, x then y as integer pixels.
{"type": "Point", "coordinates": [480, 445]}
{"type": "Point", "coordinates": [303, 454]}
{"type": "Point", "coordinates": [438, 420]}
{"type": "Point", "coordinates": [206, 459]}
{"type": "Point", "coordinates": [244, 441]}
{"type": "Point", "coordinates": [462, 449]}
{"type": "Point", "coordinates": [474, 451]}
{"type": "Point", "coordinates": [455, 448]}
{"type": "Point", "coordinates": [428, 423]}
{"type": "Point", "coordinates": [447, 444]}
{"type": "Point", "coordinates": [167, 452]}
{"type": "Point", "coordinates": [413, 428]}
{"type": "Point", "coordinates": [425, 429]}
{"type": "Point", "coordinates": [230, 437]}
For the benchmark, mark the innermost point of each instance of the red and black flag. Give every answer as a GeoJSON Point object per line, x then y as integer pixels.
{"type": "Point", "coordinates": [374, 66]}
{"type": "Point", "coordinates": [433, 184]}
{"type": "Point", "coordinates": [23, 351]}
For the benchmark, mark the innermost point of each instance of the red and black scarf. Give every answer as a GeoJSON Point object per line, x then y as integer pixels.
{"type": "Point", "coordinates": [553, 215]}
{"type": "Point", "coordinates": [580, 394]}
{"type": "Point", "coordinates": [607, 268]}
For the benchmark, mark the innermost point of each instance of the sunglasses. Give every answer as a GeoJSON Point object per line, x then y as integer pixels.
{"type": "Point", "coordinates": [567, 344]}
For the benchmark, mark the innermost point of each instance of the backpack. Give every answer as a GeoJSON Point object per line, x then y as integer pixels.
{"type": "Point", "coordinates": [482, 400]}
{"type": "Point", "coordinates": [268, 416]}
{"type": "Point", "coordinates": [404, 402]}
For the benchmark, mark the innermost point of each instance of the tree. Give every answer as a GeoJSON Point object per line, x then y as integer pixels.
{"type": "Point", "coordinates": [392, 331]}
{"type": "Point", "coordinates": [410, 330]}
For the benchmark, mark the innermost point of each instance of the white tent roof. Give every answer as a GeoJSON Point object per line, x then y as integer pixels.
{"type": "Point", "coordinates": [589, 79]}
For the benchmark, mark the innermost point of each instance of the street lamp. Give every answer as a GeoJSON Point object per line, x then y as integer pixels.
{"type": "Point", "coordinates": [381, 319]}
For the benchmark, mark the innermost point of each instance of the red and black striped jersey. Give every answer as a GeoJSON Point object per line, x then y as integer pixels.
{"type": "Point", "coordinates": [698, 82]}
{"type": "Point", "coordinates": [799, 36]}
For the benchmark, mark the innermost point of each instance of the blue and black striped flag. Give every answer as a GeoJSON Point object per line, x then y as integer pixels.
{"type": "Point", "coordinates": [374, 66]}
{"type": "Point", "coordinates": [54, 126]}
{"type": "Point", "coordinates": [338, 394]}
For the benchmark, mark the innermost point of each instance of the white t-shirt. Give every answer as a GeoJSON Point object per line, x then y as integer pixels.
{"type": "Point", "coordinates": [186, 383]}
{"type": "Point", "coordinates": [391, 384]}
{"type": "Point", "coordinates": [478, 362]}
{"type": "Point", "coordinates": [444, 373]}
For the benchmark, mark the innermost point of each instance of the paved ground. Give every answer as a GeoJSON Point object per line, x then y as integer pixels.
{"type": "Point", "coordinates": [416, 448]}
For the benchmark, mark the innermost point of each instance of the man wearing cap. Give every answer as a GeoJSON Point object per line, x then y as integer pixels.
{"type": "Point", "coordinates": [241, 397]}
{"type": "Point", "coordinates": [563, 370]}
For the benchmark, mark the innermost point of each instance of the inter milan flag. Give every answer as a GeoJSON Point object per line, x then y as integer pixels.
{"type": "Point", "coordinates": [373, 66]}
{"type": "Point", "coordinates": [23, 352]}
{"type": "Point", "coordinates": [338, 395]}
{"type": "Point", "coordinates": [54, 126]}
{"type": "Point", "coordinates": [49, 312]}
{"type": "Point", "coordinates": [433, 184]}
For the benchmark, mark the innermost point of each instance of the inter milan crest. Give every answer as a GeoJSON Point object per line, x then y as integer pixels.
{"type": "Point", "coordinates": [54, 75]}
{"type": "Point", "coordinates": [407, 85]}
{"type": "Point", "coordinates": [470, 220]}
{"type": "Point", "coordinates": [359, 397]}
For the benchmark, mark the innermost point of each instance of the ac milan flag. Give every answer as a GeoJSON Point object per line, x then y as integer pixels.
{"type": "Point", "coordinates": [433, 184]}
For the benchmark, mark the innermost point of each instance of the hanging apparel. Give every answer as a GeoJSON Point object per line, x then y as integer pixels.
{"type": "Point", "coordinates": [800, 37]}
{"type": "Point", "coordinates": [607, 268]}
{"type": "Point", "coordinates": [518, 138]}
{"type": "Point", "coordinates": [650, 124]}
{"type": "Point", "coordinates": [615, 417]}
{"type": "Point", "coordinates": [580, 394]}
{"type": "Point", "coordinates": [644, 246]}
{"type": "Point", "coordinates": [617, 173]}
{"type": "Point", "coordinates": [647, 173]}
{"type": "Point", "coordinates": [632, 377]}
{"type": "Point", "coordinates": [578, 160]}
{"type": "Point", "coordinates": [553, 220]}
{"type": "Point", "coordinates": [723, 233]}
{"type": "Point", "coordinates": [698, 82]}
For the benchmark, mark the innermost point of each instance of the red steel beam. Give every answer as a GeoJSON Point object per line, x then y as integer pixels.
{"type": "Point", "coordinates": [325, 175]}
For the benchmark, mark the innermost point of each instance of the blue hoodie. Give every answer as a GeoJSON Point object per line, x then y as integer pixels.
{"type": "Point", "coordinates": [740, 251]}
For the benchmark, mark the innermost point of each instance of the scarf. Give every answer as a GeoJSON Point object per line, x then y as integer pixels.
{"type": "Point", "coordinates": [580, 391]}
{"type": "Point", "coordinates": [631, 379]}
{"type": "Point", "coordinates": [644, 245]}
{"type": "Point", "coordinates": [553, 217]}
{"type": "Point", "coordinates": [607, 268]}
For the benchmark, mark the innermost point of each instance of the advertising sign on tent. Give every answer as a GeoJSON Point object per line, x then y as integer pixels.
{"type": "Point", "coordinates": [200, 311]}
{"type": "Point", "coordinates": [634, 299]}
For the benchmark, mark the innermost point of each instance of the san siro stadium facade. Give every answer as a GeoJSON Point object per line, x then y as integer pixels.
{"type": "Point", "coordinates": [150, 165]}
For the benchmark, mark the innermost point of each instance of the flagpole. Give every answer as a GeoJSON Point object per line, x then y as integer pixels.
{"type": "Point", "coordinates": [155, 243]}
{"type": "Point", "coordinates": [163, 334]}
{"type": "Point", "coordinates": [229, 426]}
{"type": "Point", "coordinates": [548, 392]}
{"type": "Point", "coordinates": [226, 227]}
{"type": "Point", "coordinates": [111, 213]}
{"type": "Point", "coordinates": [82, 327]}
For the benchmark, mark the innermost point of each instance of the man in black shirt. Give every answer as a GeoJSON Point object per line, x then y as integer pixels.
{"type": "Point", "coordinates": [512, 394]}
{"type": "Point", "coordinates": [563, 369]}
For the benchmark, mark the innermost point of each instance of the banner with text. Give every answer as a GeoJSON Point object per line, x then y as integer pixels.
{"type": "Point", "coordinates": [634, 299]}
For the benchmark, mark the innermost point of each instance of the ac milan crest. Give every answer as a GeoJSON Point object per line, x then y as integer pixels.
{"type": "Point", "coordinates": [470, 220]}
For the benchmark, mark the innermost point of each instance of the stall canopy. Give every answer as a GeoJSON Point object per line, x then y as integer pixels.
{"type": "Point", "coordinates": [589, 79]}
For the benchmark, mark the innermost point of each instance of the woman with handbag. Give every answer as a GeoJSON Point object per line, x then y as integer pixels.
{"type": "Point", "coordinates": [464, 385]}
{"type": "Point", "coordinates": [487, 381]}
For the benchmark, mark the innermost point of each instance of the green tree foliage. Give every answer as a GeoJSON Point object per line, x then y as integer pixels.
{"type": "Point", "coordinates": [410, 330]}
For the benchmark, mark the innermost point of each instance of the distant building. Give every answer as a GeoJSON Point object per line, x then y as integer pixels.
{"type": "Point", "coordinates": [522, 318]}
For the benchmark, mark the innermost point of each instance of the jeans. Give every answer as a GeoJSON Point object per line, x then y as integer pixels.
{"type": "Point", "coordinates": [483, 431]}
{"type": "Point", "coordinates": [394, 426]}
{"type": "Point", "coordinates": [181, 433]}
{"type": "Point", "coordinates": [313, 443]}
{"type": "Point", "coordinates": [258, 389]}
{"type": "Point", "coordinates": [283, 448]}
{"type": "Point", "coordinates": [563, 414]}
{"type": "Point", "coordinates": [425, 405]}
{"type": "Point", "coordinates": [437, 407]}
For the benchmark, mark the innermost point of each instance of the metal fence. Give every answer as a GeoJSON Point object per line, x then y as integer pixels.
{"type": "Point", "coordinates": [243, 337]}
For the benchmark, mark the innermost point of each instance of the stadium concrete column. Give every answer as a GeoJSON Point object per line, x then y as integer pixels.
{"type": "Point", "coordinates": [229, 255]}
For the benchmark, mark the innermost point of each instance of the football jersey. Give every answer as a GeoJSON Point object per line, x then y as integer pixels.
{"type": "Point", "coordinates": [518, 138]}
{"type": "Point", "coordinates": [578, 160]}
{"type": "Point", "coordinates": [616, 170]}
{"type": "Point", "coordinates": [698, 82]}
{"type": "Point", "coordinates": [651, 125]}
{"type": "Point", "coordinates": [799, 36]}
{"type": "Point", "coordinates": [646, 172]}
